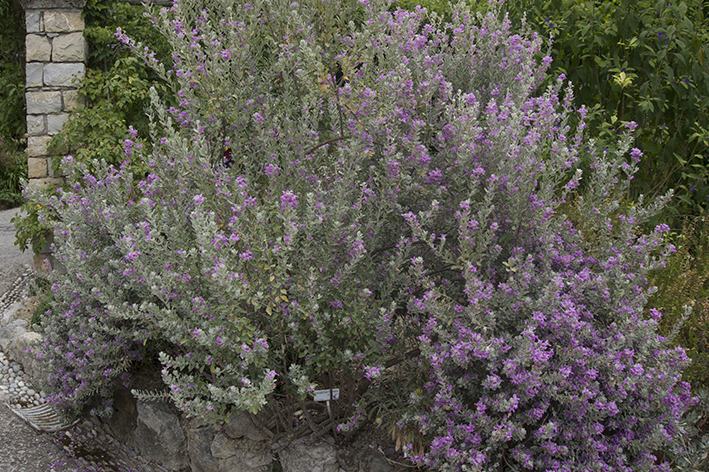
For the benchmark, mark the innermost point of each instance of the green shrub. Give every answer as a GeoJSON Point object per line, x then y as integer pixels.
{"type": "Point", "coordinates": [13, 169]}
{"type": "Point", "coordinates": [685, 280]}
{"type": "Point", "coordinates": [642, 62]}
{"type": "Point", "coordinates": [114, 88]}
{"type": "Point", "coordinates": [12, 72]}
{"type": "Point", "coordinates": [114, 91]}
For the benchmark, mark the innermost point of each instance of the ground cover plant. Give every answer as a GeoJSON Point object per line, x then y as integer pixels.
{"type": "Point", "coordinates": [352, 196]}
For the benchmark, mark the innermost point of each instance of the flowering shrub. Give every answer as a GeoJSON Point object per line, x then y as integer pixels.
{"type": "Point", "coordinates": [342, 185]}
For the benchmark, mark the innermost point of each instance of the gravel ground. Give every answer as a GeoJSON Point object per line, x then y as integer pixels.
{"type": "Point", "coordinates": [13, 263]}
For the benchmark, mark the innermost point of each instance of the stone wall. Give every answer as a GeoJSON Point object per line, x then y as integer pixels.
{"type": "Point", "coordinates": [55, 51]}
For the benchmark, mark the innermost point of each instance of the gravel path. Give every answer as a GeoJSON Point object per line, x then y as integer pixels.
{"type": "Point", "coordinates": [13, 263]}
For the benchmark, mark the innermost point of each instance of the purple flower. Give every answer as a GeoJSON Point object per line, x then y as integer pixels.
{"type": "Point", "coordinates": [271, 170]}
{"type": "Point", "coordinates": [128, 147]}
{"type": "Point", "coordinates": [372, 372]}
{"type": "Point", "coordinates": [288, 199]}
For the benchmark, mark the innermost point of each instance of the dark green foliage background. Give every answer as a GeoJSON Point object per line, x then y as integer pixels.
{"type": "Point", "coordinates": [13, 160]}
{"type": "Point", "coordinates": [645, 62]}
{"type": "Point", "coordinates": [12, 71]}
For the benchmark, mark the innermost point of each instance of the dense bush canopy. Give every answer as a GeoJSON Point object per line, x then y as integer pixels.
{"type": "Point", "coordinates": [344, 194]}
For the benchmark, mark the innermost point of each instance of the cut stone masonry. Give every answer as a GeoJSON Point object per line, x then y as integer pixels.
{"type": "Point", "coordinates": [55, 53]}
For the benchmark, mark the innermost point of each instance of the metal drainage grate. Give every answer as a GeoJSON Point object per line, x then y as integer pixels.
{"type": "Point", "coordinates": [42, 418]}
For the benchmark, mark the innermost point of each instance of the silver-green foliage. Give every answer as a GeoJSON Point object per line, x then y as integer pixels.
{"type": "Point", "coordinates": [341, 188]}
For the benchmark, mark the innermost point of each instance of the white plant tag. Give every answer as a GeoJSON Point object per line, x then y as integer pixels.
{"type": "Point", "coordinates": [324, 395]}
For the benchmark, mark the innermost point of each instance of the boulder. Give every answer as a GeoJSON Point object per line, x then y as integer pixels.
{"type": "Point", "coordinates": [240, 426]}
{"type": "Point", "coordinates": [10, 314]}
{"type": "Point", "coordinates": [20, 350]}
{"type": "Point", "coordinates": [158, 436]}
{"type": "Point", "coordinates": [313, 455]}
{"type": "Point", "coordinates": [374, 461]}
{"type": "Point", "coordinates": [199, 445]}
{"type": "Point", "coordinates": [10, 332]}
{"type": "Point", "coordinates": [124, 419]}
{"type": "Point", "coordinates": [241, 455]}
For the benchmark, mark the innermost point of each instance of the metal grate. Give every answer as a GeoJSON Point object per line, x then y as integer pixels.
{"type": "Point", "coordinates": [42, 418]}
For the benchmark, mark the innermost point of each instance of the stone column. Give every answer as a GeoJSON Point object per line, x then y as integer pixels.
{"type": "Point", "coordinates": [56, 51]}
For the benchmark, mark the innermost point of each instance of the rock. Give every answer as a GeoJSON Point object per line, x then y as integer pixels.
{"type": "Point", "coordinates": [158, 436]}
{"type": "Point", "coordinates": [20, 349]}
{"type": "Point", "coordinates": [42, 102]}
{"type": "Point", "coordinates": [240, 426]}
{"type": "Point", "coordinates": [10, 332]}
{"type": "Point", "coordinates": [63, 74]}
{"type": "Point", "coordinates": [374, 461]}
{"type": "Point", "coordinates": [199, 442]}
{"type": "Point", "coordinates": [241, 455]}
{"type": "Point", "coordinates": [313, 455]}
{"type": "Point", "coordinates": [123, 421]}
{"type": "Point", "coordinates": [10, 314]}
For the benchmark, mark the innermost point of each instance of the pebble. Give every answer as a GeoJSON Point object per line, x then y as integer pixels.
{"type": "Point", "coordinates": [13, 380]}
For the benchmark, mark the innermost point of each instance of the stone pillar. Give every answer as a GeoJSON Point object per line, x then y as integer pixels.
{"type": "Point", "coordinates": [55, 53]}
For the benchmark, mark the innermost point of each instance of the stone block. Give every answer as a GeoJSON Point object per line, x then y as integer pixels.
{"type": "Point", "coordinates": [312, 456]}
{"type": "Point", "coordinates": [69, 48]}
{"type": "Point", "coordinates": [36, 167]}
{"type": "Point", "coordinates": [33, 74]}
{"type": "Point", "coordinates": [33, 21]}
{"type": "Point", "coordinates": [51, 171]}
{"type": "Point", "coordinates": [242, 455]}
{"type": "Point", "coordinates": [55, 122]}
{"type": "Point", "coordinates": [159, 437]}
{"type": "Point", "coordinates": [63, 75]}
{"type": "Point", "coordinates": [52, 4]}
{"type": "Point", "coordinates": [71, 100]}
{"type": "Point", "coordinates": [43, 102]}
{"type": "Point", "coordinates": [42, 184]}
{"type": "Point", "coordinates": [36, 125]}
{"type": "Point", "coordinates": [37, 48]}
{"type": "Point", "coordinates": [37, 146]}
{"type": "Point", "coordinates": [20, 350]}
{"type": "Point", "coordinates": [63, 21]}
{"type": "Point", "coordinates": [199, 441]}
